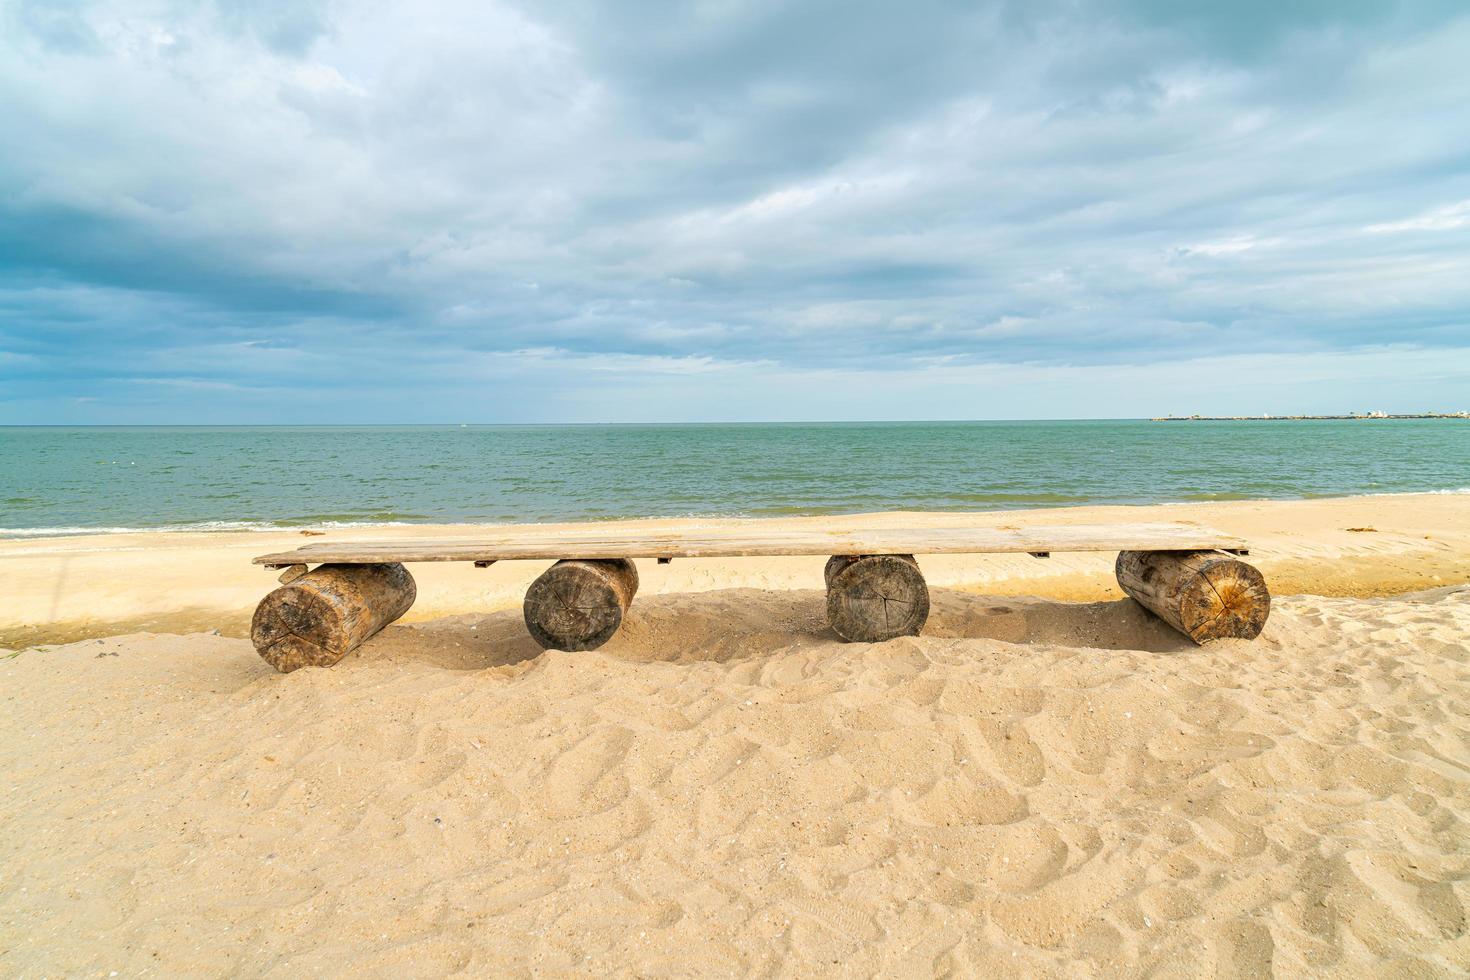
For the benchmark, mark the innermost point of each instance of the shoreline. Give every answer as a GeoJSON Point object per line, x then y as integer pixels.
{"type": "Point", "coordinates": [65, 588]}
{"type": "Point", "coordinates": [8, 534]}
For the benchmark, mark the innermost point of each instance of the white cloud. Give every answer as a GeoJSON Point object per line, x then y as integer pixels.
{"type": "Point", "coordinates": [1230, 246]}
{"type": "Point", "coordinates": [1445, 218]}
{"type": "Point", "coordinates": [695, 190]}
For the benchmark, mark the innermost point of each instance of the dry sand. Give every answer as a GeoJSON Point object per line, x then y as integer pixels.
{"type": "Point", "coordinates": [1033, 787]}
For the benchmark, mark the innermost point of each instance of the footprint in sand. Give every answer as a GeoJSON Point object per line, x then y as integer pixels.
{"type": "Point", "coordinates": [1027, 856]}
{"type": "Point", "coordinates": [1013, 753]}
{"type": "Point", "coordinates": [963, 803]}
{"type": "Point", "coordinates": [588, 777]}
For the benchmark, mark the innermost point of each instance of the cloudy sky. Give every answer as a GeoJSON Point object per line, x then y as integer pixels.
{"type": "Point", "coordinates": [245, 211]}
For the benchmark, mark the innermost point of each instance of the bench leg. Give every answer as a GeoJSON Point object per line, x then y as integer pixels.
{"type": "Point", "coordinates": [579, 604]}
{"type": "Point", "coordinates": [318, 618]}
{"type": "Point", "coordinates": [871, 598]}
{"type": "Point", "coordinates": [1203, 594]}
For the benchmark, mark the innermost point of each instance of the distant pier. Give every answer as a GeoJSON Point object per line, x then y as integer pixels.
{"type": "Point", "coordinates": [1369, 417]}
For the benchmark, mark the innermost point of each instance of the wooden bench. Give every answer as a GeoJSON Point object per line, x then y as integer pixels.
{"type": "Point", "coordinates": [1191, 577]}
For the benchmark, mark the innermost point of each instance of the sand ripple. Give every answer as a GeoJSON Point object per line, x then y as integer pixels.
{"type": "Point", "coordinates": [1060, 790]}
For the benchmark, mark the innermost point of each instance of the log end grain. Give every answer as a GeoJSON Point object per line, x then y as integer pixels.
{"type": "Point", "coordinates": [579, 604]}
{"type": "Point", "coordinates": [1205, 595]}
{"type": "Point", "coordinates": [872, 598]}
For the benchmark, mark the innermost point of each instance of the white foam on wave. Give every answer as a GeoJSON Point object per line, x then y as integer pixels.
{"type": "Point", "coordinates": [268, 526]}
{"type": "Point", "coordinates": [202, 526]}
{"type": "Point", "coordinates": [1414, 493]}
{"type": "Point", "coordinates": [1201, 501]}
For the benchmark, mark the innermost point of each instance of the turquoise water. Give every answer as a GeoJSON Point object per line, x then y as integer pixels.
{"type": "Point", "coordinates": [116, 478]}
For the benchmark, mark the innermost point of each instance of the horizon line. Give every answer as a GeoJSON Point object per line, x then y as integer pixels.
{"type": "Point", "coordinates": [1282, 417]}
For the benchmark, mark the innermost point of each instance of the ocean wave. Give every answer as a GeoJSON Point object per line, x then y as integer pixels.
{"type": "Point", "coordinates": [201, 526]}
{"type": "Point", "coordinates": [269, 526]}
{"type": "Point", "coordinates": [1409, 493]}
{"type": "Point", "coordinates": [754, 513]}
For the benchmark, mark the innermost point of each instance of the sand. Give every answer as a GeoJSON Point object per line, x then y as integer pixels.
{"type": "Point", "coordinates": [61, 589]}
{"type": "Point", "coordinates": [1034, 787]}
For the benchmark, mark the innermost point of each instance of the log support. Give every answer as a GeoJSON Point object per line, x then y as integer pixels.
{"type": "Point", "coordinates": [319, 617]}
{"type": "Point", "coordinates": [1205, 595]}
{"type": "Point", "coordinates": [291, 574]}
{"type": "Point", "coordinates": [579, 604]}
{"type": "Point", "coordinates": [871, 598]}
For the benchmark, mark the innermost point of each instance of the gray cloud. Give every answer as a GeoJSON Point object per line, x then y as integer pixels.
{"type": "Point", "coordinates": [204, 206]}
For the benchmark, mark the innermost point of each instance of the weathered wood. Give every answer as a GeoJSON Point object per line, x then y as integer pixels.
{"type": "Point", "coordinates": [873, 598]}
{"type": "Point", "coordinates": [836, 564]}
{"type": "Point", "coordinates": [1205, 595]}
{"type": "Point", "coordinates": [291, 574]}
{"type": "Point", "coordinates": [754, 539]}
{"type": "Point", "coordinates": [319, 618]}
{"type": "Point", "coordinates": [579, 605]}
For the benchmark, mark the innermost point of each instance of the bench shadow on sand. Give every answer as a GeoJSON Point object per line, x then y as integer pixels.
{"type": "Point", "coordinates": [744, 624]}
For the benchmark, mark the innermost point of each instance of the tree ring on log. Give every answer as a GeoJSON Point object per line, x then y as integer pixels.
{"type": "Point", "coordinates": [578, 604]}
{"type": "Point", "coordinates": [871, 598]}
{"type": "Point", "coordinates": [836, 564]}
{"type": "Point", "coordinates": [1203, 594]}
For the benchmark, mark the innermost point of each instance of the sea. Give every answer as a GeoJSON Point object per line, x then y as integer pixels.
{"type": "Point", "coordinates": [61, 480]}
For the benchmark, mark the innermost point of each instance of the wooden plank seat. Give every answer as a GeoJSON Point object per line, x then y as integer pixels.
{"type": "Point", "coordinates": [1191, 577]}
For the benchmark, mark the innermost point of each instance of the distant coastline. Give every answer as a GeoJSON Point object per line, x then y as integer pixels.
{"type": "Point", "coordinates": [1369, 417]}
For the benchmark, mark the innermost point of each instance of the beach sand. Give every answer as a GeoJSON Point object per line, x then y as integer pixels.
{"type": "Point", "coordinates": [1049, 782]}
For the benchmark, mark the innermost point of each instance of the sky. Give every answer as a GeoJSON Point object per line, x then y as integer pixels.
{"type": "Point", "coordinates": [454, 211]}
